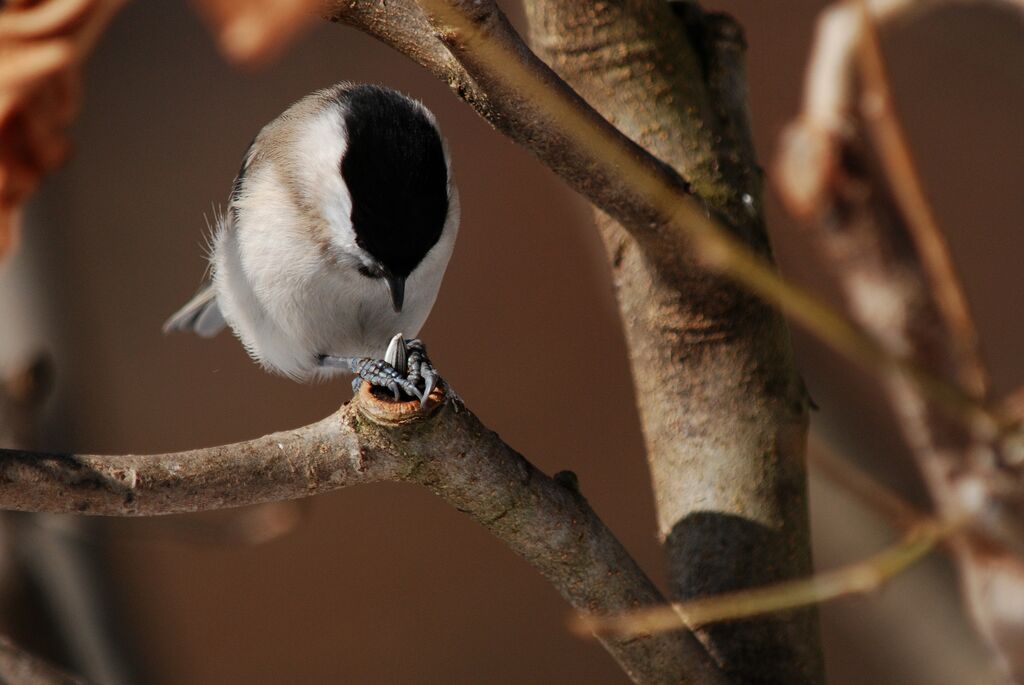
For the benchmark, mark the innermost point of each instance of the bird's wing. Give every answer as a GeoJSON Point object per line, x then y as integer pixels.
{"type": "Point", "coordinates": [201, 315]}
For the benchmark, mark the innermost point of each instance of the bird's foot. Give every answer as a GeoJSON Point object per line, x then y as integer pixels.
{"type": "Point", "coordinates": [378, 373]}
{"type": "Point", "coordinates": [405, 370]}
{"type": "Point", "coordinates": [381, 374]}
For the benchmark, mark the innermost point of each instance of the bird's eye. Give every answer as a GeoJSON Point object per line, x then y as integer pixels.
{"type": "Point", "coordinates": [369, 272]}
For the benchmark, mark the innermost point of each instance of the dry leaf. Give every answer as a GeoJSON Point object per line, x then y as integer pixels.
{"type": "Point", "coordinates": [42, 44]}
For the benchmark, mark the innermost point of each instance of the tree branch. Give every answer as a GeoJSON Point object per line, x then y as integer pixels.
{"type": "Point", "coordinates": [901, 287]}
{"type": "Point", "coordinates": [457, 42]}
{"type": "Point", "coordinates": [544, 520]}
{"type": "Point", "coordinates": [525, 100]}
{"type": "Point", "coordinates": [722, 409]}
{"type": "Point", "coordinates": [711, 327]}
{"type": "Point", "coordinates": [900, 174]}
{"type": "Point", "coordinates": [859, 578]}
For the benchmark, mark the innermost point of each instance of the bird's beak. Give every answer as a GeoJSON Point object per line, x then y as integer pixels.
{"type": "Point", "coordinates": [397, 286]}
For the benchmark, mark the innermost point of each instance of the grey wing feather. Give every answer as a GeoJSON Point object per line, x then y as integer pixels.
{"type": "Point", "coordinates": [200, 315]}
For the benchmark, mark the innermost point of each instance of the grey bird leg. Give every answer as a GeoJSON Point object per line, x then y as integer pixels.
{"type": "Point", "coordinates": [377, 372]}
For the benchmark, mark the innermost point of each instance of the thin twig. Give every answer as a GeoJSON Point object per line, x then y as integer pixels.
{"type": "Point", "coordinates": [922, 533]}
{"type": "Point", "coordinates": [901, 175]}
{"type": "Point", "coordinates": [875, 496]}
{"type": "Point", "coordinates": [881, 500]}
{"type": "Point", "coordinates": [859, 578]}
{"type": "Point", "coordinates": [470, 40]}
{"type": "Point", "coordinates": [878, 234]}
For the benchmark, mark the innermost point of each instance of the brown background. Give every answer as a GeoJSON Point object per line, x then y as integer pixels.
{"type": "Point", "coordinates": [387, 584]}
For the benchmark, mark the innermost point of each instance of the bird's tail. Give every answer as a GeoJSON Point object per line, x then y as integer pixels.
{"type": "Point", "coordinates": [200, 315]}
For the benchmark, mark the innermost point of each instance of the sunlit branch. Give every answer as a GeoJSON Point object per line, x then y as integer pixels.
{"type": "Point", "coordinates": [471, 36]}
{"type": "Point", "coordinates": [859, 578]}
{"type": "Point", "coordinates": [447, 451]}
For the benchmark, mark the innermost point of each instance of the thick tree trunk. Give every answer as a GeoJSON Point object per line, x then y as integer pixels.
{"type": "Point", "coordinates": [724, 412]}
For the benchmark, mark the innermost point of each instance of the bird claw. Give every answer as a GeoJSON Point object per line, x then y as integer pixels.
{"type": "Point", "coordinates": [381, 374]}
{"type": "Point", "coordinates": [404, 369]}
{"type": "Point", "coordinates": [429, 384]}
{"type": "Point", "coordinates": [420, 367]}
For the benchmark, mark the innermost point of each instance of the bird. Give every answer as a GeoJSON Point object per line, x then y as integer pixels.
{"type": "Point", "coordinates": [337, 233]}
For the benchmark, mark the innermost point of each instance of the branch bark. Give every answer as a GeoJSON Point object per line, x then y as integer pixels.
{"type": "Point", "coordinates": [451, 56]}
{"type": "Point", "coordinates": [723, 411]}
{"type": "Point", "coordinates": [648, 197]}
{"type": "Point", "coordinates": [544, 520]}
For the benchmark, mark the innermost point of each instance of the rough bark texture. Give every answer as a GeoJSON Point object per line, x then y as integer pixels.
{"type": "Point", "coordinates": [724, 413]}
{"type": "Point", "coordinates": [544, 520]}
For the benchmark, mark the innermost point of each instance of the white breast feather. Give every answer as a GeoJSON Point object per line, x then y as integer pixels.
{"type": "Point", "coordinates": [285, 301]}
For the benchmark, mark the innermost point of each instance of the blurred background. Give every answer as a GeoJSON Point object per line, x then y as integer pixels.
{"type": "Point", "coordinates": [386, 584]}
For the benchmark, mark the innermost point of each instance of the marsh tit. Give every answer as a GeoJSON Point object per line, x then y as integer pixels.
{"type": "Point", "coordinates": [338, 231]}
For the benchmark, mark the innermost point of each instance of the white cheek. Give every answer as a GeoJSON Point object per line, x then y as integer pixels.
{"type": "Point", "coordinates": [318, 153]}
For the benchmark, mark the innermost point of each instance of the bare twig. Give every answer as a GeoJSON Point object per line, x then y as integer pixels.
{"type": "Point", "coordinates": [901, 175]}
{"type": "Point", "coordinates": [583, 148]}
{"type": "Point", "coordinates": [900, 284]}
{"type": "Point", "coordinates": [490, 67]}
{"type": "Point", "coordinates": [450, 453]}
{"type": "Point", "coordinates": [862, 577]}
{"type": "Point", "coordinates": [922, 533]}
{"type": "Point", "coordinates": [875, 496]}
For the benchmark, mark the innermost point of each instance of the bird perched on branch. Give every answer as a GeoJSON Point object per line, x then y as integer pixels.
{"type": "Point", "coordinates": [338, 231]}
